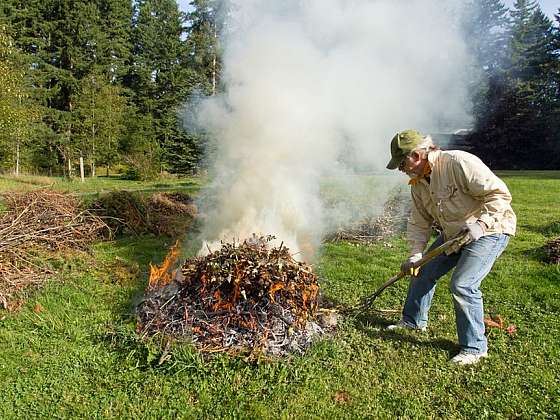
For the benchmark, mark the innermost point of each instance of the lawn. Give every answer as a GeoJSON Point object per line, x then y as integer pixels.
{"type": "Point", "coordinates": [97, 185]}
{"type": "Point", "coordinates": [72, 351]}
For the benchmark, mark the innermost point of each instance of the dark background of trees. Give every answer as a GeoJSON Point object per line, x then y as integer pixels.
{"type": "Point", "coordinates": [516, 101]}
{"type": "Point", "coordinates": [104, 80]}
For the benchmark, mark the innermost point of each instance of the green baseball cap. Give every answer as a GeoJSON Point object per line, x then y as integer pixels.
{"type": "Point", "coordinates": [402, 144]}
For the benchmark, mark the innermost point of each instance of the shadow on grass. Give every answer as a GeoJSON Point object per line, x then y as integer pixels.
{"type": "Point", "coordinates": [187, 183]}
{"type": "Point", "coordinates": [536, 254]}
{"type": "Point", "coordinates": [363, 323]}
{"type": "Point", "coordinates": [550, 230]}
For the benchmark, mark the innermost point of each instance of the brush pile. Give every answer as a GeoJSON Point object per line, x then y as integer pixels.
{"type": "Point", "coordinates": [243, 298]}
{"type": "Point", "coordinates": [168, 214]}
{"type": "Point", "coordinates": [552, 249]}
{"type": "Point", "coordinates": [40, 221]}
{"type": "Point", "coordinates": [373, 229]}
{"type": "Point", "coordinates": [49, 219]}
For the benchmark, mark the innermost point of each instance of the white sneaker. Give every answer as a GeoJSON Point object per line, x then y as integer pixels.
{"type": "Point", "coordinates": [401, 325]}
{"type": "Point", "coordinates": [464, 358]}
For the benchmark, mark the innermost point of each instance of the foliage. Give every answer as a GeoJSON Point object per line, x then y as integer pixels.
{"type": "Point", "coordinates": [101, 108]}
{"type": "Point", "coordinates": [161, 78]}
{"type": "Point", "coordinates": [77, 61]}
{"type": "Point", "coordinates": [17, 115]}
{"type": "Point", "coordinates": [516, 109]}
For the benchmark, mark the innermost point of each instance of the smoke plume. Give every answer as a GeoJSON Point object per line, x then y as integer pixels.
{"type": "Point", "coordinates": [313, 92]}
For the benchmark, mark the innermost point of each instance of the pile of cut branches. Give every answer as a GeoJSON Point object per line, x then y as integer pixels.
{"type": "Point", "coordinates": [552, 249]}
{"type": "Point", "coordinates": [41, 220]}
{"type": "Point", "coordinates": [372, 229]}
{"type": "Point", "coordinates": [243, 298]}
{"type": "Point", "coordinates": [49, 219]}
{"type": "Point", "coordinates": [162, 213]}
{"type": "Point", "coordinates": [170, 213]}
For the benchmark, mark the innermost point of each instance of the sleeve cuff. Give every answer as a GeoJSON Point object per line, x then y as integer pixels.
{"type": "Point", "coordinates": [488, 220]}
{"type": "Point", "coordinates": [417, 248]}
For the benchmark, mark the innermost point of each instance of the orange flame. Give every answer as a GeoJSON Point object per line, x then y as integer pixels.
{"type": "Point", "coordinates": [161, 276]}
{"type": "Point", "coordinates": [274, 288]}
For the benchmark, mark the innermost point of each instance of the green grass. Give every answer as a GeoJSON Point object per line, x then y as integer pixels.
{"type": "Point", "coordinates": [80, 358]}
{"type": "Point", "coordinates": [97, 185]}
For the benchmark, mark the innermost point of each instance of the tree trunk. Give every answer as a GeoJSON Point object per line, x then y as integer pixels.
{"type": "Point", "coordinates": [82, 168]}
{"type": "Point", "coordinates": [214, 60]}
{"type": "Point", "coordinates": [17, 158]}
{"type": "Point", "coordinates": [93, 149]}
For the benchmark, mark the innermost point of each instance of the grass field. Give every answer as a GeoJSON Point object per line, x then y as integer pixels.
{"type": "Point", "coordinates": [72, 352]}
{"type": "Point", "coordinates": [96, 185]}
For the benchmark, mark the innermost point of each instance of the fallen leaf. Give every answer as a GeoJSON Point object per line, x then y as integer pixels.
{"type": "Point", "coordinates": [491, 324]}
{"type": "Point", "coordinates": [499, 320]}
{"type": "Point", "coordinates": [511, 330]}
{"type": "Point", "coordinates": [15, 306]}
{"type": "Point", "coordinates": [38, 308]}
{"type": "Point", "coordinates": [341, 397]}
{"type": "Point", "coordinates": [494, 321]}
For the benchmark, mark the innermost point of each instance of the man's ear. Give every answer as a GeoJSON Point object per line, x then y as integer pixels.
{"type": "Point", "coordinates": [415, 156]}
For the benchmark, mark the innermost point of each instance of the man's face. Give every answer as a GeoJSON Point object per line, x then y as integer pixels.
{"type": "Point", "coordinates": [412, 165]}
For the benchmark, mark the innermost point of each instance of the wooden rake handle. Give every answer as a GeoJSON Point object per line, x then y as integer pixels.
{"type": "Point", "coordinates": [458, 240]}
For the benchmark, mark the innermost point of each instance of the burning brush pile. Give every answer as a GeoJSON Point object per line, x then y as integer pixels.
{"type": "Point", "coordinates": [244, 298]}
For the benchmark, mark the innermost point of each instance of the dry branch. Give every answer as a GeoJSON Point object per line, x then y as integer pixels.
{"type": "Point", "coordinates": [247, 297]}
{"type": "Point", "coordinates": [40, 220]}
{"type": "Point", "coordinates": [372, 229]}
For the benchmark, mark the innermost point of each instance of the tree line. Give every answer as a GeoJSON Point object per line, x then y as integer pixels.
{"type": "Point", "coordinates": [102, 82]}
{"type": "Point", "coordinates": [516, 98]}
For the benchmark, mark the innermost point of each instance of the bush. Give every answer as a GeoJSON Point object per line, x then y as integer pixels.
{"type": "Point", "coordinates": [140, 168]}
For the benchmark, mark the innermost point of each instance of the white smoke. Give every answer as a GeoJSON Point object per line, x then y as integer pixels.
{"type": "Point", "coordinates": [314, 88]}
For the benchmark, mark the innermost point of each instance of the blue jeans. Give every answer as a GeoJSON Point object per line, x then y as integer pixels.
{"type": "Point", "coordinates": [472, 263]}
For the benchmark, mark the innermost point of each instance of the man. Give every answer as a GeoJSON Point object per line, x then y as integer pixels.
{"type": "Point", "coordinates": [457, 192]}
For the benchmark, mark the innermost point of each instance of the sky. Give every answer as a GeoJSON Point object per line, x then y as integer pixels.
{"type": "Point", "coordinates": [549, 7]}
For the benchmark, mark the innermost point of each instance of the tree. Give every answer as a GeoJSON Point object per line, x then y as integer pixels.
{"type": "Point", "coordinates": [116, 46]}
{"type": "Point", "coordinates": [206, 23]}
{"type": "Point", "coordinates": [513, 125]}
{"type": "Point", "coordinates": [17, 112]}
{"type": "Point", "coordinates": [100, 109]}
{"type": "Point", "coordinates": [486, 28]}
{"type": "Point", "coordinates": [161, 78]}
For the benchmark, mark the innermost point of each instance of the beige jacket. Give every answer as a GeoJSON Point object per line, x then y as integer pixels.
{"type": "Point", "coordinates": [461, 190]}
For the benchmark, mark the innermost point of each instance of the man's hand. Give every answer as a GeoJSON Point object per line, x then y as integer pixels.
{"type": "Point", "coordinates": [475, 230]}
{"type": "Point", "coordinates": [407, 267]}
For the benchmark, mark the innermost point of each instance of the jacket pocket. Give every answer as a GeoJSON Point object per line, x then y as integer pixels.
{"type": "Point", "coordinates": [448, 204]}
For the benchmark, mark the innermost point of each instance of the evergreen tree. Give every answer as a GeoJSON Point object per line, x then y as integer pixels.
{"type": "Point", "coordinates": [206, 23]}
{"type": "Point", "coordinates": [116, 49]}
{"type": "Point", "coordinates": [17, 113]}
{"type": "Point", "coordinates": [68, 40]}
{"type": "Point", "coordinates": [161, 79]}
{"type": "Point", "coordinates": [513, 125]}
{"type": "Point", "coordinates": [100, 109]}
{"type": "Point", "coordinates": [487, 31]}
